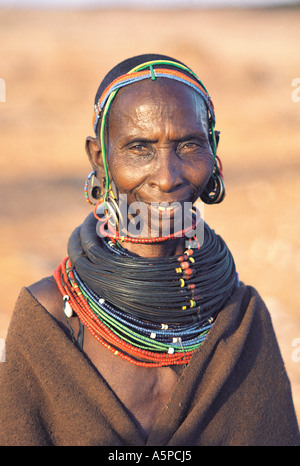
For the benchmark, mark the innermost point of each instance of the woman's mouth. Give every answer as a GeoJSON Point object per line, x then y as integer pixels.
{"type": "Point", "coordinates": [165, 208]}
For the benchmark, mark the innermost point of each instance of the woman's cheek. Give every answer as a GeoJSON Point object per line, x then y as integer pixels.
{"type": "Point", "coordinates": [127, 174]}
{"type": "Point", "coordinates": [125, 179]}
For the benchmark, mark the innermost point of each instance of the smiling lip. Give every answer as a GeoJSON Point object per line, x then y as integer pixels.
{"type": "Point", "coordinates": [166, 209]}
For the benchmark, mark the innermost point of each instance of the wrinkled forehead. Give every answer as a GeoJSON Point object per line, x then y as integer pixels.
{"type": "Point", "coordinates": [168, 96]}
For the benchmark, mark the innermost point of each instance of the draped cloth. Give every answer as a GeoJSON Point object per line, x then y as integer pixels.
{"type": "Point", "coordinates": [234, 391]}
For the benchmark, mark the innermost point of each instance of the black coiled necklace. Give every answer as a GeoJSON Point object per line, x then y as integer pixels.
{"type": "Point", "coordinates": [172, 290]}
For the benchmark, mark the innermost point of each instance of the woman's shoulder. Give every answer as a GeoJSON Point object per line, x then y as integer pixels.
{"type": "Point", "coordinates": [47, 294]}
{"type": "Point", "coordinates": [37, 311]}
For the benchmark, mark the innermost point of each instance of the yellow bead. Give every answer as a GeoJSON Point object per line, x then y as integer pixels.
{"type": "Point", "coordinates": [183, 308]}
{"type": "Point", "coordinates": [178, 270]}
{"type": "Point", "coordinates": [192, 259]}
{"type": "Point", "coordinates": [181, 282]}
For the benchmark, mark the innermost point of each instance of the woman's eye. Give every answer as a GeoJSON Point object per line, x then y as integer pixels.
{"type": "Point", "coordinates": [138, 147]}
{"type": "Point", "coordinates": [189, 146]}
{"type": "Point", "coordinates": [141, 149]}
{"type": "Point", "coordinates": [193, 146]}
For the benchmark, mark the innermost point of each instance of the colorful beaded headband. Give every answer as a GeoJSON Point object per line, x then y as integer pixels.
{"type": "Point", "coordinates": [140, 73]}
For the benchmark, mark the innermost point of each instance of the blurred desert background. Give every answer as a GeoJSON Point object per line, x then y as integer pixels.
{"type": "Point", "coordinates": [52, 62]}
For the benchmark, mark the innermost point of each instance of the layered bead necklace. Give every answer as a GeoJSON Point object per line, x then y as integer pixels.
{"type": "Point", "coordinates": [151, 312]}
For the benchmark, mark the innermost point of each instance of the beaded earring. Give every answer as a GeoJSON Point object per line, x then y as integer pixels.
{"type": "Point", "coordinates": [92, 189]}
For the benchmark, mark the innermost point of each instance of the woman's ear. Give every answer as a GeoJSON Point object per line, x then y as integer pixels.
{"type": "Point", "coordinates": [217, 138]}
{"type": "Point", "coordinates": [93, 150]}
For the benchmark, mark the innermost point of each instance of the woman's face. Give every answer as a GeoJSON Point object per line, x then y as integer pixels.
{"type": "Point", "coordinates": [157, 148]}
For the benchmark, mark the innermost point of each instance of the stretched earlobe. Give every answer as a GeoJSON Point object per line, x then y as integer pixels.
{"type": "Point", "coordinates": [93, 190]}
{"type": "Point", "coordinates": [95, 184]}
{"type": "Point", "coordinates": [214, 191]}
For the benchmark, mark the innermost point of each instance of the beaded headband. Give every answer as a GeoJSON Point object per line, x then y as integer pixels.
{"type": "Point", "coordinates": [139, 73]}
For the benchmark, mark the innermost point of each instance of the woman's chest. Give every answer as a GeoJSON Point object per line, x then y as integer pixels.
{"type": "Point", "coordinates": [143, 391]}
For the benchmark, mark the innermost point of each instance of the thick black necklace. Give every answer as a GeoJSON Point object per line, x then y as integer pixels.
{"type": "Point", "coordinates": [173, 290]}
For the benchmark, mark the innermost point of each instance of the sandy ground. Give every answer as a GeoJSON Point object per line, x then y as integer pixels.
{"type": "Point", "coordinates": [52, 63]}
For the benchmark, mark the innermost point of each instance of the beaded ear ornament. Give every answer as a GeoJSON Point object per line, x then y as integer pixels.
{"type": "Point", "coordinates": [92, 189]}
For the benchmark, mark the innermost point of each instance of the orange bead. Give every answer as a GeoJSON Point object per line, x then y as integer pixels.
{"type": "Point", "coordinates": [184, 265]}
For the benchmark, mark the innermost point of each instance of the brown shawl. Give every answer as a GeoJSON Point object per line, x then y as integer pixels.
{"type": "Point", "coordinates": [234, 391]}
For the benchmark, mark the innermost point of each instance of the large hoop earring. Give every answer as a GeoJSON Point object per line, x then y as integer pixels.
{"type": "Point", "coordinates": [214, 191]}
{"type": "Point", "coordinates": [92, 189]}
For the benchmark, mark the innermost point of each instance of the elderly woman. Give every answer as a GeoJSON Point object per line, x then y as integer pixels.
{"type": "Point", "coordinates": [145, 335]}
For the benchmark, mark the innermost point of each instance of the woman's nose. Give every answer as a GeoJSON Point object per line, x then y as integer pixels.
{"type": "Point", "coordinates": [167, 173]}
